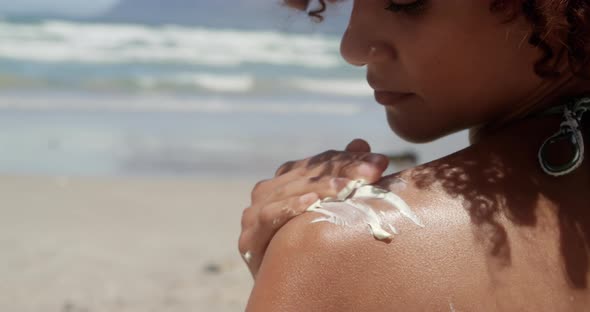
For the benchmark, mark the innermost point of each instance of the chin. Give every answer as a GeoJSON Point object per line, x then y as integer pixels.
{"type": "Point", "coordinates": [416, 132]}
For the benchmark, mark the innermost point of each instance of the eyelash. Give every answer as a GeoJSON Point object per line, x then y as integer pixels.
{"type": "Point", "coordinates": [409, 8]}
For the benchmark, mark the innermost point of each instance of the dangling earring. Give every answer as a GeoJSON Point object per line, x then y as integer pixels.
{"type": "Point", "coordinates": [571, 131]}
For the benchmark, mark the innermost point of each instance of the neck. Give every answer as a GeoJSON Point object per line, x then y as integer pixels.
{"type": "Point", "coordinates": [557, 139]}
{"type": "Point", "coordinates": [518, 144]}
{"type": "Point", "coordinates": [550, 93]}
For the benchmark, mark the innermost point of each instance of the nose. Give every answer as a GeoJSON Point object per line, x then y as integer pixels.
{"type": "Point", "coordinates": [297, 4]}
{"type": "Point", "coordinates": [362, 45]}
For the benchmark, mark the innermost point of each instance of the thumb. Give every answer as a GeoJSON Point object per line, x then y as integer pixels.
{"type": "Point", "coordinates": [358, 146]}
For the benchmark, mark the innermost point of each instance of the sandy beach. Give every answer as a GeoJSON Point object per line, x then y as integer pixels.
{"type": "Point", "coordinates": [121, 244]}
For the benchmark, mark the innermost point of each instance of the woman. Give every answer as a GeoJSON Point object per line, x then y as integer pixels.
{"type": "Point", "coordinates": [503, 225]}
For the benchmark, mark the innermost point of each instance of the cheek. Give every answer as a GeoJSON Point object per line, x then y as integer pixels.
{"type": "Point", "coordinates": [463, 76]}
{"type": "Point", "coordinates": [454, 92]}
{"type": "Point", "coordinates": [471, 82]}
{"type": "Point", "coordinates": [442, 104]}
{"type": "Point", "coordinates": [454, 71]}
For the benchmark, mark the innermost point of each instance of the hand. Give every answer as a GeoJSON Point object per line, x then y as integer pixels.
{"type": "Point", "coordinates": [298, 184]}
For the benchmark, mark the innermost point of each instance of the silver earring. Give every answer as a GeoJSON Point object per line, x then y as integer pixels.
{"type": "Point", "coordinates": [570, 130]}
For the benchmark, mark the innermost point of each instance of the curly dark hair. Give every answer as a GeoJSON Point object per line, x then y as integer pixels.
{"type": "Point", "coordinates": [563, 24]}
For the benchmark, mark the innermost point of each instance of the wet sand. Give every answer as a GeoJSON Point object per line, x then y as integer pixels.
{"type": "Point", "coordinates": [121, 244]}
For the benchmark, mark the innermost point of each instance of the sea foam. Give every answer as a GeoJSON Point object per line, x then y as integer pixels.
{"type": "Point", "coordinates": [64, 41]}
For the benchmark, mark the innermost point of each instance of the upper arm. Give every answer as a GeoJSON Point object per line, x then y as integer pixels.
{"type": "Point", "coordinates": [295, 274]}
{"type": "Point", "coordinates": [325, 267]}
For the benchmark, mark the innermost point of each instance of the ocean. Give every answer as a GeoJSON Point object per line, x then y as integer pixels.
{"type": "Point", "coordinates": [97, 99]}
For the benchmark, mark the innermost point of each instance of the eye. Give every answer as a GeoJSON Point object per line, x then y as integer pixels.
{"type": "Point", "coordinates": [409, 8]}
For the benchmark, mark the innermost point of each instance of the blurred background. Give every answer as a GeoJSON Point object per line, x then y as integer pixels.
{"type": "Point", "coordinates": [132, 132]}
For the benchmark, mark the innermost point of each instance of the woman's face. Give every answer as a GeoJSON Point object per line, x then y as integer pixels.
{"type": "Point", "coordinates": [461, 65]}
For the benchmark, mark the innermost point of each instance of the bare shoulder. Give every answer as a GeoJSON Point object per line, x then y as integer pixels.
{"type": "Point", "coordinates": [462, 244]}
{"type": "Point", "coordinates": [320, 264]}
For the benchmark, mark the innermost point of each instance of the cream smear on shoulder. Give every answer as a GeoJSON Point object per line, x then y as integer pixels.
{"type": "Point", "coordinates": [359, 212]}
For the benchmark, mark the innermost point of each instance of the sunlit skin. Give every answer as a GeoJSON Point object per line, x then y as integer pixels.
{"type": "Point", "coordinates": [500, 234]}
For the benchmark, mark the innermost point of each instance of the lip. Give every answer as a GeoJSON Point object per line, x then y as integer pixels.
{"type": "Point", "coordinates": [387, 98]}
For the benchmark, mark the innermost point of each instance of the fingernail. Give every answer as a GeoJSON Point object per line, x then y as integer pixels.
{"type": "Point", "coordinates": [308, 198]}
{"type": "Point", "coordinates": [374, 158]}
{"type": "Point", "coordinates": [366, 169]}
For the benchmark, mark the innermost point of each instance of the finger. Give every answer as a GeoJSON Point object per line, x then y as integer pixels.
{"type": "Point", "coordinates": [318, 165]}
{"type": "Point", "coordinates": [358, 145]}
{"type": "Point", "coordinates": [354, 166]}
{"type": "Point", "coordinates": [320, 159]}
{"type": "Point", "coordinates": [249, 216]}
{"type": "Point", "coordinates": [331, 163]}
{"type": "Point", "coordinates": [313, 162]}
{"type": "Point", "coordinates": [368, 172]}
{"type": "Point", "coordinates": [323, 186]}
{"type": "Point", "coordinates": [379, 160]}
{"type": "Point", "coordinates": [274, 215]}
{"type": "Point", "coordinates": [286, 167]}
{"type": "Point", "coordinates": [251, 256]}
{"type": "Point", "coordinates": [271, 216]}
{"type": "Point", "coordinates": [254, 241]}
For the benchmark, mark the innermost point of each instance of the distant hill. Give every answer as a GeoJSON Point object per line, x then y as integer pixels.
{"type": "Point", "coordinates": [242, 14]}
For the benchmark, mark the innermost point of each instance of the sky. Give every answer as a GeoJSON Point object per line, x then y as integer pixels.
{"type": "Point", "coordinates": [240, 14]}
{"type": "Point", "coordinates": [65, 7]}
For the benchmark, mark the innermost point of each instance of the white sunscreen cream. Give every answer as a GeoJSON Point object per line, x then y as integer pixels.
{"type": "Point", "coordinates": [351, 195]}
